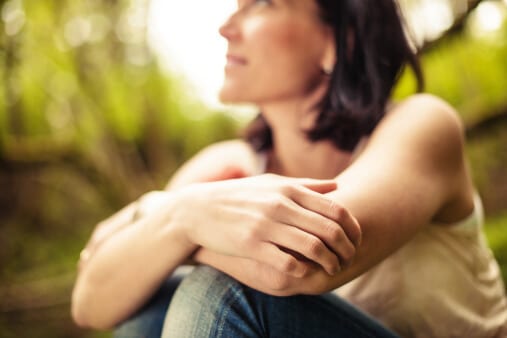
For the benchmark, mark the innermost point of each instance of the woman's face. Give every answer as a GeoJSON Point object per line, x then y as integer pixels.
{"type": "Point", "coordinates": [276, 51]}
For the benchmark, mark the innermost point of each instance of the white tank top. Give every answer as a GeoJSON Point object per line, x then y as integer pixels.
{"type": "Point", "coordinates": [443, 283]}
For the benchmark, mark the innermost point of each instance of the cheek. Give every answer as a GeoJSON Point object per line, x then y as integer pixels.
{"type": "Point", "coordinates": [283, 58]}
{"type": "Point", "coordinates": [288, 46]}
{"type": "Point", "coordinates": [278, 39]}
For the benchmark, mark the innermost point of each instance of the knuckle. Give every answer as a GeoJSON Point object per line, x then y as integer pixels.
{"type": "Point", "coordinates": [286, 189]}
{"type": "Point", "coordinates": [288, 264]}
{"type": "Point", "coordinates": [314, 247]}
{"type": "Point", "coordinates": [256, 223]}
{"type": "Point", "coordinates": [349, 254]}
{"type": "Point", "coordinates": [353, 230]}
{"type": "Point", "coordinates": [334, 232]}
{"type": "Point", "coordinates": [357, 233]}
{"type": "Point", "coordinates": [276, 206]}
{"type": "Point", "coordinates": [339, 211]}
{"type": "Point", "coordinates": [302, 271]}
{"type": "Point", "coordinates": [250, 236]}
{"type": "Point", "coordinates": [334, 265]}
{"type": "Point", "coordinates": [336, 210]}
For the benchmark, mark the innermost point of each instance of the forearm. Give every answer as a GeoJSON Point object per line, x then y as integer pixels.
{"type": "Point", "coordinates": [383, 233]}
{"type": "Point", "coordinates": [125, 270]}
{"type": "Point", "coordinates": [254, 274]}
{"type": "Point", "coordinates": [246, 271]}
{"type": "Point", "coordinates": [387, 220]}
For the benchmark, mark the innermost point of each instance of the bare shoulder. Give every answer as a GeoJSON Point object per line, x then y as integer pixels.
{"type": "Point", "coordinates": [422, 134]}
{"type": "Point", "coordinates": [426, 111]}
{"type": "Point", "coordinates": [420, 144]}
{"type": "Point", "coordinates": [425, 134]}
{"type": "Point", "coordinates": [424, 121]}
{"type": "Point", "coordinates": [221, 160]}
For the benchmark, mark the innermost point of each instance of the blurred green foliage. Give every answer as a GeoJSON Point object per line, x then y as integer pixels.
{"type": "Point", "coordinates": [88, 122]}
{"type": "Point", "coordinates": [469, 70]}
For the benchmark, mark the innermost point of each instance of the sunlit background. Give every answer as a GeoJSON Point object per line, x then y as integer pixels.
{"type": "Point", "coordinates": [184, 34]}
{"type": "Point", "coordinates": [101, 101]}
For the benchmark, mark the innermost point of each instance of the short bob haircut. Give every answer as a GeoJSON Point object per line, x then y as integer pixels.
{"type": "Point", "coordinates": [372, 51]}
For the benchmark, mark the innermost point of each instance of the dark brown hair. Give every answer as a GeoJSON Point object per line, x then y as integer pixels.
{"type": "Point", "coordinates": [372, 50]}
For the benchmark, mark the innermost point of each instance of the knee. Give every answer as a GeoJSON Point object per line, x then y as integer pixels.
{"type": "Point", "coordinates": [198, 302]}
{"type": "Point", "coordinates": [148, 321]}
{"type": "Point", "coordinates": [205, 286]}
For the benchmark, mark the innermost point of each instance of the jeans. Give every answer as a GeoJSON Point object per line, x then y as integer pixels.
{"type": "Point", "coordinates": [208, 303]}
{"type": "Point", "coordinates": [149, 320]}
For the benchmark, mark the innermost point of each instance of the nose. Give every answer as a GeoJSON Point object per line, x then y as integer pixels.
{"type": "Point", "coordinates": [229, 29]}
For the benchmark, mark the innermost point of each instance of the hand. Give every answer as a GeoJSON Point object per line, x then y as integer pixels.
{"type": "Point", "coordinates": [257, 275]}
{"type": "Point", "coordinates": [278, 221]}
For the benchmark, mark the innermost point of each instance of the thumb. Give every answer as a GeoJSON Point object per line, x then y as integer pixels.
{"type": "Point", "coordinates": [227, 173]}
{"type": "Point", "coordinates": [320, 186]}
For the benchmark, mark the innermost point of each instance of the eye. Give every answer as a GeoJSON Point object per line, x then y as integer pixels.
{"type": "Point", "coordinates": [251, 3]}
{"type": "Point", "coordinates": [264, 2]}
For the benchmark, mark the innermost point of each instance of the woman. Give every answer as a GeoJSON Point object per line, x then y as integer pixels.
{"type": "Point", "coordinates": [390, 209]}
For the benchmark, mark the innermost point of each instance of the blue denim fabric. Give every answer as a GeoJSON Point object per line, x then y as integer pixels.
{"type": "Point", "coordinates": [209, 303]}
{"type": "Point", "coordinates": [149, 320]}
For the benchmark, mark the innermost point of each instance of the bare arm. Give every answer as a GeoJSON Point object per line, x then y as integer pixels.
{"type": "Point", "coordinates": [113, 278]}
{"type": "Point", "coordinates": [116, 279]}
{"type": "Point", "coordinates": [419, 174]}
{"type": "Point", "coordinates": [250, 218]}
{"type": "Point", "coordinates": [412, 170]}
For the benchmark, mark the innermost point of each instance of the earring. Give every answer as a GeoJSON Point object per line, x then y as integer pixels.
{"type": "Point", "coordinates": [327, 71]}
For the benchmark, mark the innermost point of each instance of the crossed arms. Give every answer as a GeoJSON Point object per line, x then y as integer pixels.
{"type": "Point", "coordinates": [282, 236]}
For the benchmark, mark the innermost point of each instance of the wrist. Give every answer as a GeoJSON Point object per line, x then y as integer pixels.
{"type": "Point", "coordinates": [150, 203]}
{"type": "Point", "coordinates": [176, 225]}
{"type": "Point", "coordinates": [159, 211]}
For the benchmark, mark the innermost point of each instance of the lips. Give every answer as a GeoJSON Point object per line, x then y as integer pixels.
{"type": "Point", "coordinates": [235, 61]}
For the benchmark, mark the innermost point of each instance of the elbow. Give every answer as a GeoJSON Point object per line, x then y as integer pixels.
{"type": "Point", "coordinates": [78, 312]}
{"type": "Point", "coordinates": [84, 316]}
{"type": "Point", "coordinates": [79, 316]}
{"type": "Point", "coordinates": [83, 320]}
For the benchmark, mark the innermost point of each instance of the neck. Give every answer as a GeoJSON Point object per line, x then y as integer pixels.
{"type": "Point", "coordinates": [293, 154]}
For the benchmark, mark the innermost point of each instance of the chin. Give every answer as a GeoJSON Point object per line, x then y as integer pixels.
{"type": "Point", "coordinates": [229, 96]}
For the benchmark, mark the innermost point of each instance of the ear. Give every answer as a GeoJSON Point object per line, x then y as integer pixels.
{"type": "Point", "coordinates": [329, 55]}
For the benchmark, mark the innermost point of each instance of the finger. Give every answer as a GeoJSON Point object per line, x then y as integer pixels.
{"type": "Point", "coordinates": [328, 231]}
{"type": "Point", "coordinates": [273, 256]}
{"type": "Point", "coordinates": [319, 186]}
{"type": "Point", "coordinates": [228, 173]}
{"type": "Point", "coordinates": [304, 245]}
{"type": "Point", "coordinates": [325, 229]}
{"type": "Point", "coordinates": [328, 208]}
{"type": "Point", "coordinates": [350, 225]}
